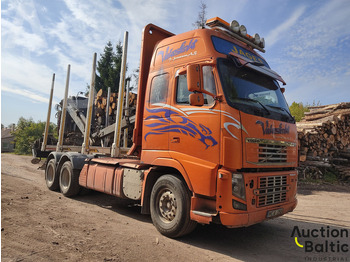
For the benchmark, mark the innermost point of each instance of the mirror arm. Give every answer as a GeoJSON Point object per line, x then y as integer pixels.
{"type": "Point", "coordinates": [217, 98]}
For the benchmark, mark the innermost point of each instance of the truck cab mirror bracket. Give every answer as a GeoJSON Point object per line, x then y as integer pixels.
{"type": "Point", "coordinates": [218, 98]}
{"type": "Point", "coordinates": [181, 71]}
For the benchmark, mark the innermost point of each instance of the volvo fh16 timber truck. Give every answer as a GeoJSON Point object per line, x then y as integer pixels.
{"type": "Point", "coordinates": [213, 141]}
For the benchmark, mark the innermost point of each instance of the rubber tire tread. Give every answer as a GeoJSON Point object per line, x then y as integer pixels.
{"type": "Point", "coordinates": [55, 185]}
{"type": "Point", "coordinates": [183, 224]}
{"type": "Point", "coordinates": [74, 187]}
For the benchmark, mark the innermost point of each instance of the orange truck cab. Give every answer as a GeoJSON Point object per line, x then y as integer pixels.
{"type": "Point", "coordinates": [214, 140]}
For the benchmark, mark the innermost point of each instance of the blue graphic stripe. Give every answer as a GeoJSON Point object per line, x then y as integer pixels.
{"type": "Point", "coordinates": [184, 126]}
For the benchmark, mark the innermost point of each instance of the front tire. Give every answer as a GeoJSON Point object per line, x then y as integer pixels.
{"type": "Point", "coordinates": [170, 207]}
{"type": "Point", "coordinates": [51, 177]}
{"type": "Point", "coordinates": [69, 180]}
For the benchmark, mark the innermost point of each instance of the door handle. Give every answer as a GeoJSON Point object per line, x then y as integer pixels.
{"type": "Point", "coordinates": [175, 140]}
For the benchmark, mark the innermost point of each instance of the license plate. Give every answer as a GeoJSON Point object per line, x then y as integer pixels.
{"type": "Point", "coordinates": [274, 213]}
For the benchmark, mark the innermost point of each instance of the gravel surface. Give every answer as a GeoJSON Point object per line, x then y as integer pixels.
{"type": "Point", "coordinates": [41, 225]}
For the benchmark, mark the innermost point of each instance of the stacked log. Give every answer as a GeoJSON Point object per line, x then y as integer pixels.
{"type": "Point", "coordinates": [324, 137]}
{"type": "Point", "coordinates": [101, 106]}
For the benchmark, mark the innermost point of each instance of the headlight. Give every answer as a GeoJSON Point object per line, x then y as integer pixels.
{"type": "Point", "coordinates": [238, 188]}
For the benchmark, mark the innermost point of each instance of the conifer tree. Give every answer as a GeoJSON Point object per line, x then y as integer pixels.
{"type": "Point", "coordinates": [108, 68]}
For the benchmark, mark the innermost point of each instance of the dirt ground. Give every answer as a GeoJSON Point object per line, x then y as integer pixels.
{"type": "Point", "coordinates": [41, 225]}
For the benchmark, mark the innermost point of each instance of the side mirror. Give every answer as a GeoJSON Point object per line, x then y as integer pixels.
{"type": "Point", "coordinates": [283, 90]}
{"type": "Point", "coordinates": [196, 99]}
{"type": "Point", "coordinates": [193, 78]}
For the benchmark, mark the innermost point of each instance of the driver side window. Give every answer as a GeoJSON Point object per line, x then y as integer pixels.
{"type": "Point", "coordinates": [182, 93]}
{"type": "Point", "coordinates": [159, 89]}
{"type": "Point", "coordinates": [208, 84]}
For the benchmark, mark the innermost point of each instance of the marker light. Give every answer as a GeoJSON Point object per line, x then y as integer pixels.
{"type": "Point", "coordinates": [217, 21]}
{"type": "Point", "coordinates": [256, 38]}
{"type": "Point", "coordinates": [262, 43]}
{"type": "Point", "coordinates": [237, 31]}
{"type": "Point", "coordinates": [243, 30]}
{"type": "Point", "coordinates": [235, 26]}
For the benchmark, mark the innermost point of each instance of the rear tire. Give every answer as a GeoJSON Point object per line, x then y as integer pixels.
{"type": "Point", "coordinates": [51, 178]}
{"type": "Point", "coordinates": [69, 180]}
{"type": "Point", "coordinates": [170, 207]}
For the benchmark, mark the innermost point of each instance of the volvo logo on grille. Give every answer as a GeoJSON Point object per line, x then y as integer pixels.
{"type": "Point", "coordinates": [269, 129]}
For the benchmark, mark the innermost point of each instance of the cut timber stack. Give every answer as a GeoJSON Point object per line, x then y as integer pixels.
{"type": "Point", "coordinates": [101, 106]}
{"type": "Point", "coordinates": [324, 137]}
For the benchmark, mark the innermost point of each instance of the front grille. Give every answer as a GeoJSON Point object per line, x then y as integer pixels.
{"type": "Point", "coordinates": [271, 190]}
{"type": "Point", "coordinates": [270, 153]}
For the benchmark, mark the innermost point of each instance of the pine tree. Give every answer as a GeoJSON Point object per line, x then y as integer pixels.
{"type": "Point", "coordinates": [108, 68]}
{"type": "Point", "coordinates": [117, 62]}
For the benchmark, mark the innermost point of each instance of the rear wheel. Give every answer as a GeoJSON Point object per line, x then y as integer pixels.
{"type": "Point", "coordinates": [69, 180]}
{"type": "Point", "coordinates": [51, 177]}
{"type": "Point", "coordinates": [170, 207]}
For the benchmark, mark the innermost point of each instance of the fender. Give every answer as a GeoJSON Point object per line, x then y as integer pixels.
{"type": "Point", "coordinates": [169, 162]}
{"type": "Point", "coordinates": [77, 160]}
{"type": "Point", "coordinates": [54, 155]}
{"type": "Point", "coordinates": [159, 167]}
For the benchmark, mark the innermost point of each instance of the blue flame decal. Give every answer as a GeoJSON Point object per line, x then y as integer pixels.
{"type": "Point", "coordinates": [164, 123]}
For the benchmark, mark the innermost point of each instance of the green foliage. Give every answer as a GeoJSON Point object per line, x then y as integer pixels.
{"type": "Point", "coordinates": [330, 176]}
{"type": "Point", "coordinates": [298, 110]}
{"type": "Point", "coordinates": [27, 131]}
{"type": "Point", "coordinates": [108, 68]}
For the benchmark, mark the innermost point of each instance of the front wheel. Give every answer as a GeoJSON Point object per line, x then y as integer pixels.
{"type": "Point", "coordinates": [69, 180]}
{"type": "Point", "coordinates": [170, 207]}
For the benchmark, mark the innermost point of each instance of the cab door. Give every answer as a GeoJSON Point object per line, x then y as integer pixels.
{"type": "Point", "coordinates": [195, 132]}
{"type": "Point", "coordinates": [156, 114]}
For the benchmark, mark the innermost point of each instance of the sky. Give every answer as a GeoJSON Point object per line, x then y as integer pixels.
{"type": "Point", "coordinates": [307, 43]}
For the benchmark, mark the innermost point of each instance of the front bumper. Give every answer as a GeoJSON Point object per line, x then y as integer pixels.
{"type": "Point", "coordinates": [251, 218]}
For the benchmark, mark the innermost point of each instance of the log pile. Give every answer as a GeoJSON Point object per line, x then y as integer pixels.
{"type": "Point", "coordinates": [101, 102]}
{"type": "Point", "coordinates": [324, 137]}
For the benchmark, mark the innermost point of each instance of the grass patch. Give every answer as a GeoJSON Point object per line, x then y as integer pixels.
{"type": "Point", "coordinates": [317, 175]}
{"type": "Point", "coordinates": [330, 176]}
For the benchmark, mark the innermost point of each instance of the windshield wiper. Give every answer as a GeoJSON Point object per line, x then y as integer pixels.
{"type": "Point", "coordinates": [283, 109]}
{"type": "Point", "coordinates": [256, 101]}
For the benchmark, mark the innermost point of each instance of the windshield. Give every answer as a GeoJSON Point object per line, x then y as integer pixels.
{"type": "Point", "coordinates": [252, 92]}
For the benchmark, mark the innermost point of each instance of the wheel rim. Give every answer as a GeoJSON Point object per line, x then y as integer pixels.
{"type": "Point", "coordinates": [167, 205]}
{"type": "Point", "coordinates": [50, 174]}
{"type": "Point", "coordinates": [65, 179]}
